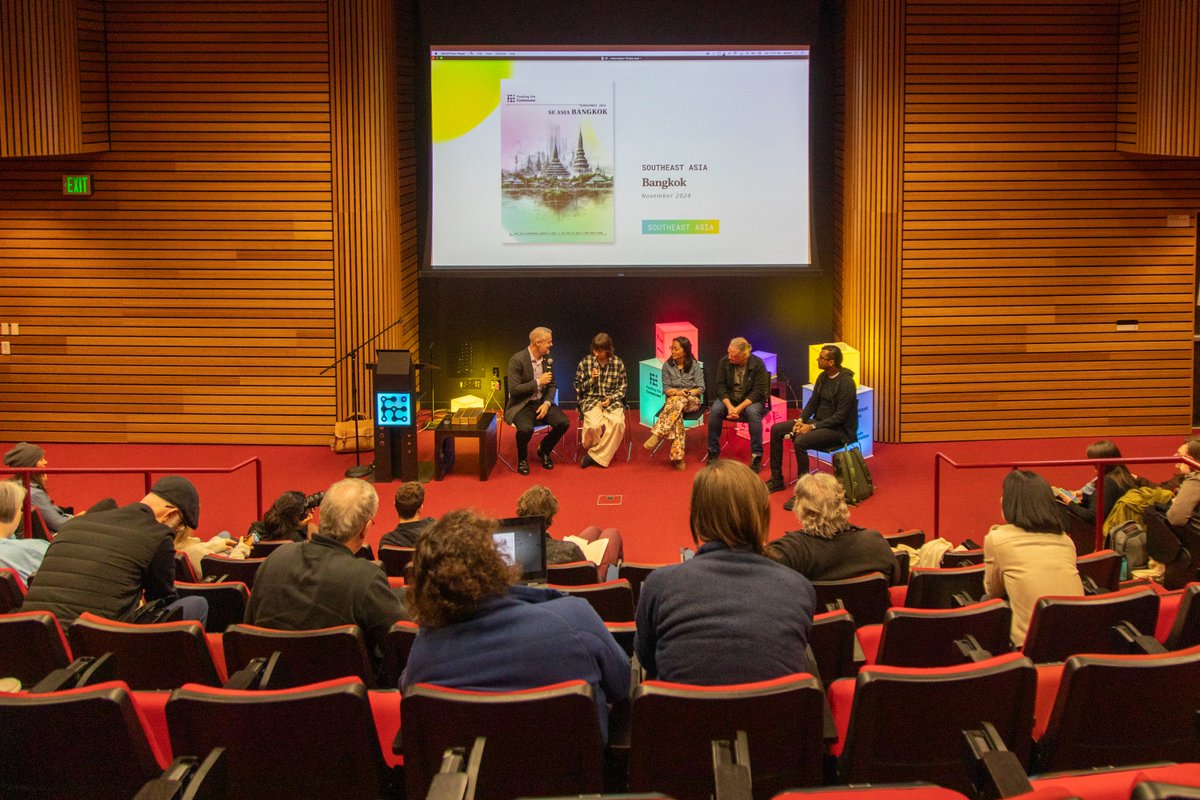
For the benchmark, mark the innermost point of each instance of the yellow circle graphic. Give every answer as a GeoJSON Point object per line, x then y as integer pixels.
{"type": "Point", "coordinates": [464, 94]}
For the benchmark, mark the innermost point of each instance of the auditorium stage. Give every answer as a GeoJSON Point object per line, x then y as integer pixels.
{"type": "Point", "coordinates": [645, 498]}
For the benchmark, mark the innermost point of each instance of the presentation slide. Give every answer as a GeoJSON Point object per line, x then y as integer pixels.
{"type": "Point", "coordinates": [619, 157]}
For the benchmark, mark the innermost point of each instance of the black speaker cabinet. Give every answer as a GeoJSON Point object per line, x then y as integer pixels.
{"type": "Point", "coordinates": [395, 417]}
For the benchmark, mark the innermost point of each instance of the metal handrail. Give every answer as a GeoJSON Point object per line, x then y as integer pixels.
{"type": "Point", "coordinates": [26, 474]}
{"type": "Point", "coordinates": [1098, 463]}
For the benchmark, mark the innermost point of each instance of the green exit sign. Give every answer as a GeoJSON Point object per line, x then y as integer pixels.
{"type": "Point", "coordinates": [77, 184]}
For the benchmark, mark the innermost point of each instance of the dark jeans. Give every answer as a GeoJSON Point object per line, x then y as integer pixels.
{"type": "Point", "coordinates": [816, 439]}
{"type": "Point", "coordinates": [193, 608]}
{"type": "Point", "coordinates": [526, 420]}
{"type": "Point", "coordinates": [752, 415]}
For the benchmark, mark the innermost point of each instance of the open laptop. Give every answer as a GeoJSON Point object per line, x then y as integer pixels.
{"type": "Point", "coordinates": [522, 541]}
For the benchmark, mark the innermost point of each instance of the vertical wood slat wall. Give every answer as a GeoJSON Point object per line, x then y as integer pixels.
{"type": "Point", "coordinates": [366, 194]}
{"type": "Point", "coordinates": [39, 78]}
{"type": "Point", "coordinates": [191, 298]}
{"type": "Point", "coordinates": [1027, 236]}
{"type": "Point", "coordinates": [93, 76]}
{"type": "Point", "coordinates": [870, 292]}
{"type": "Point", "coordinates": [1168, 78]}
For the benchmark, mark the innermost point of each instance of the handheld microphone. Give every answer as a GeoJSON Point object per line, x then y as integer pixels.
{"type": "Point", "coordinates": [547, 364]}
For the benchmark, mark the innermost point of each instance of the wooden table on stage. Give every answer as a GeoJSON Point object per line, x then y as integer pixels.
{"type": "Point", "coordinates": [483, 431]}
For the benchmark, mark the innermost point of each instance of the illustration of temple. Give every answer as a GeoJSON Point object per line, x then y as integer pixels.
{"type": "Point", "coordinates": [580, 163]}
{"type": "Point", "coordinates": [555, 169]}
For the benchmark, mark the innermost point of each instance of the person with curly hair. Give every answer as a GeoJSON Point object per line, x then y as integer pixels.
{"type": "Point", "coordinates": [481, 632]}
{"type": "Point", "coordinates": [829, 547]}
{"type": "Point", "coordinates": [730, 614]}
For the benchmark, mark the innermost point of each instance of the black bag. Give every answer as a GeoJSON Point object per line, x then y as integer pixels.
{"type": "Point", "coordinates": [850, 468]}
{"type": "Point", "coordinates": [154, 611]}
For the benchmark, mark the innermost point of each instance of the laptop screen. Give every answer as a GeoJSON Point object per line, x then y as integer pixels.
{"type": "Point", "coordinates": [522, 541]}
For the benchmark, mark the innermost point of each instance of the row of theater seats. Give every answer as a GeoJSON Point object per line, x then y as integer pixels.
{"type": "Point", "coordinates": [338, 739]}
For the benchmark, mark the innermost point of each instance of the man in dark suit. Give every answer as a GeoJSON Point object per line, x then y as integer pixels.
{"type": "Point", "coordinates": [743, 389]}
{"type": "Point", "coordinates": [531, 394]}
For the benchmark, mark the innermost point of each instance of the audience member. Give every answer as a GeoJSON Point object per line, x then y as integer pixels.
{"type": "Point", "coordinates": [828, 547]}
{"type": "Point", "coordinates": [1030, 556]}
{"type": "Point", "coordinates": [24, 454]}
{"type": "Point", "coordinates": [730, 614]}
{"type": "Point", "coordinates": [1184, 510]}
{"type": "Point", "coordinates": [195, 548]}
{"type": "Point", "coordinates": [481, 632]}
{"type": "Point", "coordinates": [22, 555]}
{"type": "Point", "coordinates": [107, 561]}
{"type": "Point", "coordinates": [289, 517]}
{"type": "Point", "coordinates": [601, 547]}
{"type": "Point", "coordinates": [409, 499]}
{"type": "Point", "coordinates": [1117, 481]}
{"type": "Point", "coordinates": [320, 583]}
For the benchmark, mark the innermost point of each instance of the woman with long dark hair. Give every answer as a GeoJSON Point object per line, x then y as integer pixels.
{"type": "Point", "coordinates": [1030, 556]}
{"type": "Point", "coordinates": [24, 454]}
{"type": "Point", "coordinates": [683, 388]}
{"type": "Point", "coordinates": [1117, 481]}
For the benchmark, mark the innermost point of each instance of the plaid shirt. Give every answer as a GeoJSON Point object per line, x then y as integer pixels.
{"type": "Point", "coordinates": [612, 383]}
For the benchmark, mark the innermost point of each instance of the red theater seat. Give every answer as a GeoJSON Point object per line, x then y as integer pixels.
{"type": "Point", "coordinates": [32, 645]}
{"type": "Point", "coordinates": [674, 725]}
{"type": "Point", "coordinates": [925, 637]}
{"type": "Point", "coordinates": [92, 742]}
{"type": "Point", "coordinates": [1064, 626]}
{"type": "Point", "coordinates": [165, 655]}
{"type": "Point", "coordinates": [304, 656]}
{"type": "Point", "coordinates": [301, 743]}
{"type": "Point", "coordinates": [542, 742]}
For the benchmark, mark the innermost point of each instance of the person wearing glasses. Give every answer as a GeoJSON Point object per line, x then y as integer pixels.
{"type": "Point", "coordinates": [828, 421]}
{"type": "Point", "coordinates": [530, 402]}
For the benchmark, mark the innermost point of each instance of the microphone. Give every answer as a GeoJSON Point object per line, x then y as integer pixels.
{"type": "Point", "coordinates": [547, 364]}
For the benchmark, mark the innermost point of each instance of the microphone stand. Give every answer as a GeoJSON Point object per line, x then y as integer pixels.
{"type": "Point", "coordinates": [352, 354]}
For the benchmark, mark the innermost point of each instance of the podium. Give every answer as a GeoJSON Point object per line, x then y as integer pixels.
{"type": "Point", "coordinates": [395, 417]}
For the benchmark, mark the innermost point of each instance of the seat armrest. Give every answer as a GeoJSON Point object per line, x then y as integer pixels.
{"type": "Point", "coordinates": [1090, 587]}
{"type": "Point", "coordinates": [1131, 641]}
{"type": "Point", "coordinates": [188, 778]}
{"type": "Point", "coordinates": [971, 649]}
{"type": "Point", "coordinates": [962, 599]}
{"type": "Point", "coordinates": [731, 768]}
{"type": "Point", "coordinates": [83, 671]}
{"type": "Point", "coordinates": [994, 770]}
{"type": "Point", "coordinates": [253, 675]}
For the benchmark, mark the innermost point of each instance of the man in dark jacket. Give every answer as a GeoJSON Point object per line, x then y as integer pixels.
{"type": "Point", "coordinates": [107, 560]}
{"type": "Point", "coordinates": [321, 583]}
{"type": "Point", "coordinates": [743, 388]}
{"type": "Point", "coordinates": [828, 421]}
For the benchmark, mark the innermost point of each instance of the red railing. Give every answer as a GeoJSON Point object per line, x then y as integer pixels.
{"type": "Point", "coordinates": [1098, 463]}
{"type": "Point", "coordinates": [26, 472]}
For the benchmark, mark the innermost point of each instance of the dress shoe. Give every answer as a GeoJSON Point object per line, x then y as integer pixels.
{"type": "Point", "coordinates": [776, 485]}
{"type": "Point", "coordinates": [546, 462]}
{"type": "Point", "coordinates": [523, 467]}
{"type": "Point", "coordinates": [790, 504]}
{"type": "Point", "coordinates": [651, 443]}
{"type": "Point", "coordinates": [756, 463]}
{"type": "Point", "coordinates": [588, 461]}
{"type": "Point", "coordinates": [680, 465]}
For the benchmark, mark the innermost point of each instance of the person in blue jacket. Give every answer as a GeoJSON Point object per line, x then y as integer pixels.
{"type": "Point", "coordinates": [730, 614]}
{"type": "Point", "coordinates": [481, 632]}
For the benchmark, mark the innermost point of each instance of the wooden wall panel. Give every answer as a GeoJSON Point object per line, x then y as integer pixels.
{"type": "Point", "coordinates": [870, 288]}
{"type": "Point", "coordinates": [191, 297]}
{"type": "Point", "coordinates": [1027, 236]}
{"type": "Point", "coordinates": [366, 195]}
{"type": "Point", "coordinates": [1168, 78]}
{"type": "Point", "coordinates": [39, 78]}
{"type": "Point", "coordinates": [93, 76]}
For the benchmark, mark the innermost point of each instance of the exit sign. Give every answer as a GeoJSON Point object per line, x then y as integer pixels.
{"type": "Point", "coordinates": [77, 184]}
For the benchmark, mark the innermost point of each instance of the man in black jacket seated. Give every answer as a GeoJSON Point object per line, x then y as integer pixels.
{"type": "Point", "coordinates": [107, 560]}
{"type": "Point", "coordinates": [828, 421]}
{"type": "Point", "coordinates": [743, 387]}
{"type": "Point", "coordinates": [321, 583]}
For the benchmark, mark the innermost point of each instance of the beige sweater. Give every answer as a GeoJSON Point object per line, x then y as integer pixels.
{"type": "Point", "coordinates": [1025, 566]}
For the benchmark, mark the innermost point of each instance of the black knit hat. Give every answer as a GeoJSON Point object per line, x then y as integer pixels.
{"type": "Point", "coordinates": [180, 492]}
{"type": "Point", "coordinates": [23, 454]}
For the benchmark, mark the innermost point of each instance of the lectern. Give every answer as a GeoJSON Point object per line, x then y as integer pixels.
{"type": "Point", "coordinates": [395, 417]}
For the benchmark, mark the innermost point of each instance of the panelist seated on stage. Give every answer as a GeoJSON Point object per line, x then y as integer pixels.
{"type": "Point", "coordinates": [828, 421]}
{"type": "Point", "coordinates": [600, 385]}
{"type": "Point", "coordinates": [531, 391]}
{"type": "Point", "coordinates": [743, 387]}
{"type": "Point", "coordinates": [683, 388]}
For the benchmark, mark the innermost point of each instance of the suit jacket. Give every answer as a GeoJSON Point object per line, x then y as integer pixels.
{"type": "Point", "coordinates": [521, 384]}
{"type": "Point", "coordinates": [756, 383]}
